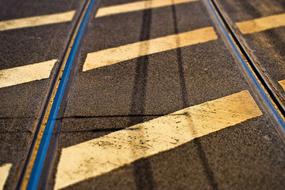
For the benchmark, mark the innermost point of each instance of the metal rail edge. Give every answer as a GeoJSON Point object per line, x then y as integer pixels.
{"type": "Point", "coordinates": [267, 92]}
{"type": "Point", "coordinates": [34, 163]}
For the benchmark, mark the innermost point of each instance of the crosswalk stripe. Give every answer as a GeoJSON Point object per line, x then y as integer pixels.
{"type": "Point", "coordinates": [137, 6]}
{"type": "Point", "coordinates": [26, 73]}
{"type": "Point", "coordinates": [104, 154]}
{"type": "Point", "coordinates": [262, 24]}
{"type": "Point", "coordinates": [36, 20]}
{"type": "Point", "coordinates": [4, 172]}
{"type": "Point", "coordinates": [138, 49]}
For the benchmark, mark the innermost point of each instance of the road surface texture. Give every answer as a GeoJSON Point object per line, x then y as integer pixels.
{"type": "Point", "coordinates": [29, 52]}
{"type": "Point", "coordinates": [156, 98]}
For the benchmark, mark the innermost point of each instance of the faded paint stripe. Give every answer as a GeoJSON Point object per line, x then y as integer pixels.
{"type": "Point", "coordinates": [4, 172]}
{"type": "Point", "coordinates": [138, 49]}
{"type": "Point", "coordinates": [137, 6]}
{"type": "Point", "coordinates": [262, 24]}
{"type": "Point", "coordinates": [282, 83]}
{"type": "Point", "coordinates": [36, 21]}
{"type": "Point", "coordinates": [104, 154]}
{"type": "Point", "coordinates": [122, 53]}
{"type": "Point", "coordinates": [130, 51]}
{"type": "Point", "coordinates": [27, 73]}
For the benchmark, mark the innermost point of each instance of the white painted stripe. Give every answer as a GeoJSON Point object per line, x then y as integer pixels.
{"type": "Point", "coordinates": [104, 154]}
{"type": "Point", "coordinates": [4, 172]}
{"type": "Point", "coordinates": [36, 20]}
{"type": "Point", "coordinates": [138, 49]}
{"type": "Point", "coordinates": [27, 73]}
{"type": "Point", "coordinates": [137, 6]}
{"type": "Point", "coordinates": [262, 24]}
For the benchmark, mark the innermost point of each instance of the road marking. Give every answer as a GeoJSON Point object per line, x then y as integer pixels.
{"type": "Point", "coordinates": [130, 51]}
{"type": "Point", "coordinates": [4, 172]}
{"type": "Point", "coordinates": [27, 73]}
{"type": "Point", "coordinates": [282, 83]}
{"type": "Point", "coordinates": [36, 21]}
{"type": "Point", "coordinates": [104, 154]}
{"type": "Point", "coordinates": [262, 24]}
{"type": "Point", "coordinates": [138, 49]}
{"type": "Point", "coordinates": [137, 6]}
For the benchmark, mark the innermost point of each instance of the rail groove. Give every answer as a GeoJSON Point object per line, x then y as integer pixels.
{"type": "Point", "coordinates": [32, 170]}
{"type": "Point", "coordinates": [267, 91]}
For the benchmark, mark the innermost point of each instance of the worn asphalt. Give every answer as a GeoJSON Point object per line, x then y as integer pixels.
{"type": "Point", "coordinates": [20, 104]}
{"type": "Point", "coordinates": [101, 101]}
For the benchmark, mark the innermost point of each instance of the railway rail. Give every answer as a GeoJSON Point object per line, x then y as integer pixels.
{"type": "Point", "coordinates": [269, 92]}
{"type": "Point", "coordinates": [45, 125]}
{"type": "Point", "coordinates": [142, 136]}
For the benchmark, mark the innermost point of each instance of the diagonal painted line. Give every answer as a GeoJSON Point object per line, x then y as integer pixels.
{"type": "Point", "coordinates": [27, 73]}
{"type": "Point", "coordinates": [252, 72]}
{"type": "Point", "coordinates": [282, 84]}
{"type": "Point", "coordinates": [261, 24]}
{"type": "Point", "coordinates": [130, 51]}
{"type": "Point", "coordinates": [68, 15]}
{"type": "Point", "coordinates": [36, 158]}
{"type": "Point", "coordinates": [36, 21]}
{"type": "Point", "coordinates": [4, 172]}
{"type": "Point", "coordinates": [137, 6]}
{"type": "Point", "coordinates": [104, 154]}
{"type": "Point", "coordinates": [138, 49]}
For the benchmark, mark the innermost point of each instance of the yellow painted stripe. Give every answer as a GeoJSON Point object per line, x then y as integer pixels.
{"type": "Point", "coordinates": [104, 154]}
{"type": "Point", "coordinates": [36, 21]}
{"type": "Point", "coordinates": [131, 51]}
{"type": "Point", "coordinates": [27, 73]}
{"type": "Point", "coordinates": [262, 24]}
{"type": "Point", "coordinates": [4, 172]}
{"type": "Point", "coordinates": [137, 6]}
{"type": "Point", "coordinates": [282, 83]}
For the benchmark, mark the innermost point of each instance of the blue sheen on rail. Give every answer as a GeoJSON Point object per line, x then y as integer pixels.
{"type": "Point", "coordinates": [44, 145]}
{"type": "Point", "coordinates": [248, 71]}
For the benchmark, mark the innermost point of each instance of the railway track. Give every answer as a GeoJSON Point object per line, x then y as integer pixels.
{"type": "Point", "coordinates": [45, 125]}
{"type": "Point", "coordinates": [92, 102]}
{"type": "Point", "coordinates": [268, 91]}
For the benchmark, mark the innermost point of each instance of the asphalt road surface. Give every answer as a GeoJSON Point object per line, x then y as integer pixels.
{"type": "Point", "coordinates": [22, 94]}
{"type": "Point", "coordinates": [156, 98]}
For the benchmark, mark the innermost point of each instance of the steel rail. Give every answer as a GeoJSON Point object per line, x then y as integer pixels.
{"type": "Point", "coordinates": [266, 91]}
{"type": "Point", "coordinates": [34, 163]}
